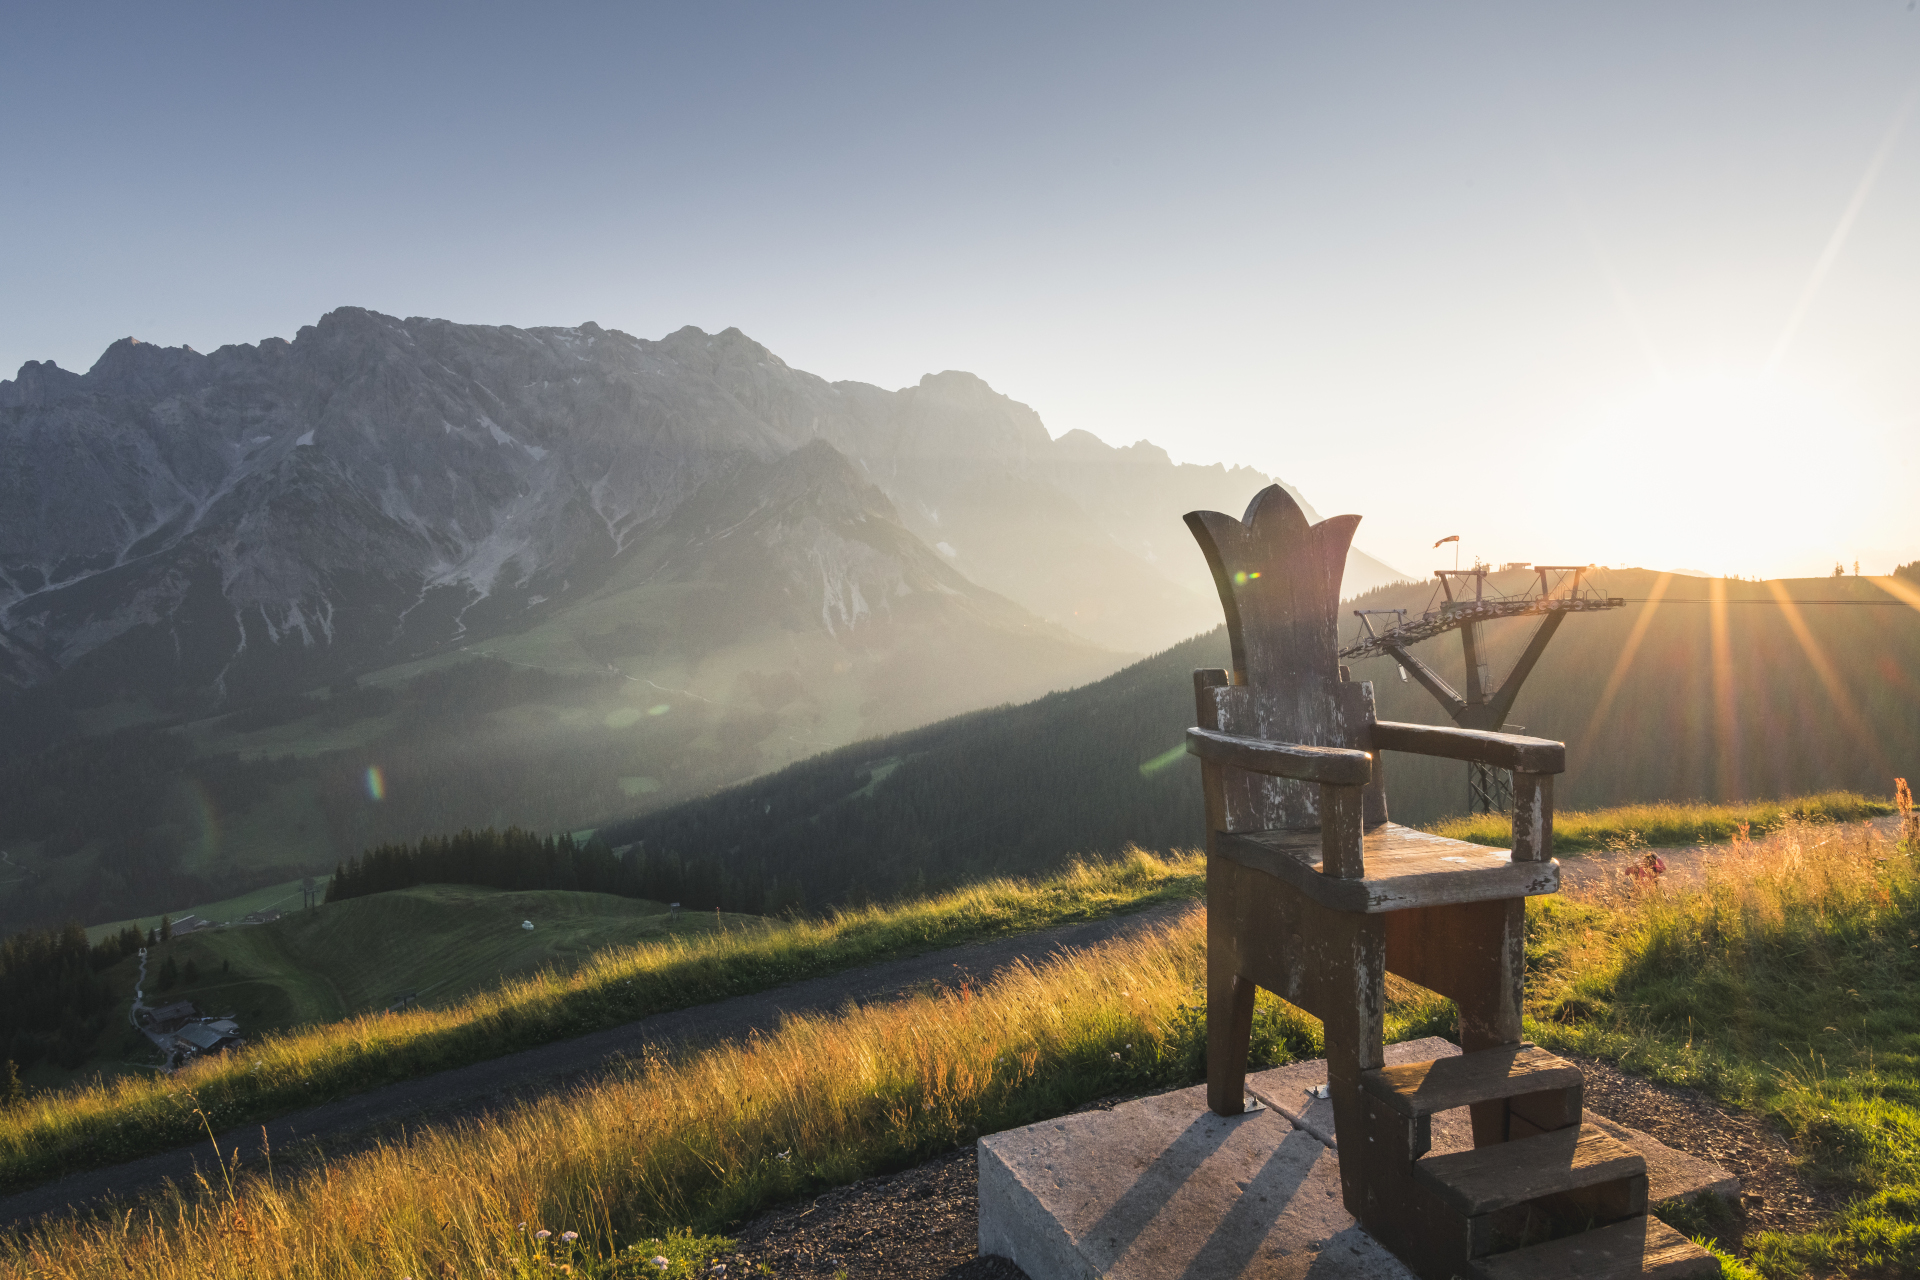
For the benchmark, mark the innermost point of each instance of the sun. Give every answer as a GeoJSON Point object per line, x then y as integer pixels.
{"type": "Point", "coordinates": [1727, 473]}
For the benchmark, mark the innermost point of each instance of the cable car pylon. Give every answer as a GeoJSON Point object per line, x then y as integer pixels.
{"type": "Point", "coordinates": [1484, 705]}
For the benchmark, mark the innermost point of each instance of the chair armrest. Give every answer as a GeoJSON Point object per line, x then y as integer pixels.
{"type": "Point", "coordinates": [1501, 750]}
{"type": "Point", "coordinates": [1337, 766]}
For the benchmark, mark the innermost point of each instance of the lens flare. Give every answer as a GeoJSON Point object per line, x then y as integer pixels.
{"type": "Point", "coordinates": [203, 821]}
{"type": "Point", "coordinates": [1726, 705]}
{"type": "Point", "coordinates": [1823, 667]}
{"type": "Point", "coordinates": [1900, 590]}
{"type": "Point", "coordinates": [376, 783]}
{"type": "Point", "coordinates": [1625, 661]}
{"type": "Point", "coordinates": [1171, 756]}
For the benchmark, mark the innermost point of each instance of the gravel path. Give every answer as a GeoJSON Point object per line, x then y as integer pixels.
{"type": "Point", "coordinates": [349, 1122]}
{"type": "Point", "coordinates": [1686, 863]}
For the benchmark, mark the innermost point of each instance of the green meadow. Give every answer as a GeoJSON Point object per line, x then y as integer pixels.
{"type": "Point", "coordinates": [1783, 982]}
{"type": "Point", "coordinates": [434, 944]}
{"type": "Point", "coordinates": [561, 993]}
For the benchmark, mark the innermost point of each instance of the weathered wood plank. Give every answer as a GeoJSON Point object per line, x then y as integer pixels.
{"type": "Point", "coordinates": [1638, 1248]}
{"type": "Point", "coordinates": [1404, 869]}
{"type": "Point", "coordinates": [1358, 696]}
{"type": "Point", "coordinates": [1424, 1088]}
{"type": "Point", "coordinates": [1488, 1179]}
{"type": "Point", "coordinates": [1212, 782]}
{"type": "Point", "coordinates": [1262, 929]}
{"type": "Point", "coordinates": [1341, 853]}
{"type": "Point", "coordinates": [1501, 750]}
{"type": "Point", "coordinates": [1279, 582]}
{"type": "Point", "coordinates": [1532, 816]}
{"type": "Point", "coordinates": [1339, 766]}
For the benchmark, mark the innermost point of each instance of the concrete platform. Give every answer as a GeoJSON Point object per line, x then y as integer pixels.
{"type": "Point", "coordinates": [1161, 1187]}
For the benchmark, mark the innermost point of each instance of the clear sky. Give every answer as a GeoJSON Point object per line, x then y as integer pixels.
{"type": "Point", "coordinates": [1625, 283]}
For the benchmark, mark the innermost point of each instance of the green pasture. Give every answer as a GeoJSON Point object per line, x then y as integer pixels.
{"type": "Point", "coordinates": [285, 896]}
{"type": "Point", "coordinates": [434, 943]}
{"type": "Point", "coordinates": [585, 976]}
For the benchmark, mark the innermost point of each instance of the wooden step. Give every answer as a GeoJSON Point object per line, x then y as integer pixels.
{"type": "Point", "coordinates": [1487, 1179]}
{"type": "Point", "coordinates": [1637, 1247]}
{"type": "Point", "coordinates": [1425, 1088]}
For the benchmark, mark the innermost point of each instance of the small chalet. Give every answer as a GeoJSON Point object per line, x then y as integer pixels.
{"type": "Point", "coordinates": [209, 1035]}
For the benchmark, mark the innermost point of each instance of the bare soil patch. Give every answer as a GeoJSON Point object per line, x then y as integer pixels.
{"type": "Point", "coordinates": [1775, 1196]}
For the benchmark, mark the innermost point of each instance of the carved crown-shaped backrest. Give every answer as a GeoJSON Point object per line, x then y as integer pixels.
{"type": "Point", "coordinates": [1279, 582]}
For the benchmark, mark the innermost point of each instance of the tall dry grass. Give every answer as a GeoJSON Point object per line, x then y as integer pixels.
{"type": "Point", "coordinates": [700, 1141]}
{"type": "Point", "coordinates": [692, 1142]}
{"type": "Point", "coordinates": [55, 1132]}
{"type": "Point", "coordinates": [1786, 980]}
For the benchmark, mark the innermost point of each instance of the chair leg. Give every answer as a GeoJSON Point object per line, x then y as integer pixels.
{"type": "Point", "coordinates": [1229, 1032]}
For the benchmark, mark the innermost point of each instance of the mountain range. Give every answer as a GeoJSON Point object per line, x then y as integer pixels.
{"type": "Point", "coordinates": [221, 525]}
{"type": "Point", "coordinates": [262, 607]}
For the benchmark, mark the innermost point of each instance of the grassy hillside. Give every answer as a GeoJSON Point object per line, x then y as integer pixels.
{"type": "Point", "coordinates": [284, 896]}
{"type": "Point", "coordinates": [1668, 822]}
{"type": "Point", "coordinates": [1785, 984]}
{"type": "Point", "coordinates": [117, 1119]}
{"type": "Point", "coordinates": [1013, 791]}
{"type": "Point", "coordinates": [1685, 701]}
{"type": "Point", "coordinates": [703, 1140]}
{"type": "Point", "coordinates": [1817, 698]}
{"type": "Point", "coordinates": [436, 944]}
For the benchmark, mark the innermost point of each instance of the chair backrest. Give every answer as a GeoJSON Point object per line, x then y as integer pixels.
{"type": "Point", "coordinates": [1279, 582]}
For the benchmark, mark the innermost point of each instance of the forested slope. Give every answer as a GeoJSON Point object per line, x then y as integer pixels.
{"type": "Point", "coordinates": [1685, 699]}
{"type": "Point", "coordinates": [1013, 790]}
{"type": "Point", "coordinates": [1675, 700]}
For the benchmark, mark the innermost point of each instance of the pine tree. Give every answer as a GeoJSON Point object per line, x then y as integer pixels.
{"type": "Point", "coordinates": [169, 974]}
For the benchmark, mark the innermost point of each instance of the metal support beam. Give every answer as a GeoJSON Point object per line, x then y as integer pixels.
{"type": "Point", "coordinates": [1430, 681]}
{"type": "Point", "coordinates": [1502, 702]}
{"type": "Point", "coordinates": [1485, 705]}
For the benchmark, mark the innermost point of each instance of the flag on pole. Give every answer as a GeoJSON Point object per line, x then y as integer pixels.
{"type": "Point", "coordinates": [1444, 541]}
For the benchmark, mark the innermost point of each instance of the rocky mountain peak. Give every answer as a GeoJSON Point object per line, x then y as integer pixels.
{"type": "Point", "coordinates": [39, 382]}
{"type": "Point", "coordinates": [379, 487]}
{"type": "Point", "coordinates": [820, 477]}
{"type": "Point", "coordinates": [133, 369]}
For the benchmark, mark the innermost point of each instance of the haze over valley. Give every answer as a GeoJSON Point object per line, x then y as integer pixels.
{"type": "Point", "coordinates": [264, 607]}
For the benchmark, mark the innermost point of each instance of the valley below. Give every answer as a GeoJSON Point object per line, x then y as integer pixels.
{"type": "Point", "coordinates": [265, 608]}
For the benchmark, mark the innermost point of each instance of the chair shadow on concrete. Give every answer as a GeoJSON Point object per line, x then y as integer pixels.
{"type": "Point", "coordinates": [1263, 1197]}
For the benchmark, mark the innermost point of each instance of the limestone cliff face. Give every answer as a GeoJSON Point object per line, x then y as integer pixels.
{"type": "Point", "coordinates": [198, 527]}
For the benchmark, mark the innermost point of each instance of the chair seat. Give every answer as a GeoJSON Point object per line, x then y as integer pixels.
{"type": "Point", "coordinates": [1404, 868]}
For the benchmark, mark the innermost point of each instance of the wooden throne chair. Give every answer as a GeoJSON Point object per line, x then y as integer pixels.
{"type": "Point", "coordinates": [1315, 895]}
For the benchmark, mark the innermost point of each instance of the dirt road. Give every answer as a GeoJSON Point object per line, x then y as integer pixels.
{"type": "Point", "coordinates": [340, 1125]}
